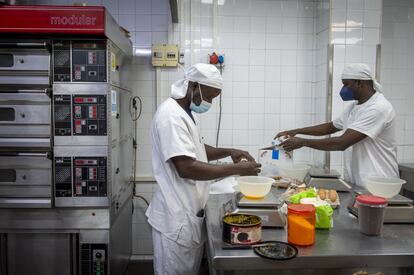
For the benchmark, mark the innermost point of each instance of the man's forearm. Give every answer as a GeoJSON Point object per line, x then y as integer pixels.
{"type": "Point", "coordinates": [326, 144]}
{"type": "Point", "coordinates": [318, 130]}
{"type": "Point", "coordinates": [214, 153]}
{"type": "Point", "coordinates": [205, 171]}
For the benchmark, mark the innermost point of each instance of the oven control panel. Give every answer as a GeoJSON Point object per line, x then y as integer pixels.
{"type": "Point", "coordinates": [61, 61]}
{"type": "Point", "coordinates": [79, 61]}
{"type": "Point", "coordinates": [62, 115]}
{"type": "Point", "coordinates": [89, 61]}
{"type": "Point", "coordinates": [94, 259]}
{"type": "Point", "coordinates": [63, 177]}
{"type": "Point", "coordinates": [81, 176]}
{"type": "Point", "coordinates": [80, 115]}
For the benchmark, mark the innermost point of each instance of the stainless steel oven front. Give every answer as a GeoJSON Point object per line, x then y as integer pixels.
{"type": "Point", "coordinates": [25, 119]}
{"type": "Point", "coordinates": [23, 63]}
{"type": "Point", "coordinates": [25, 180]}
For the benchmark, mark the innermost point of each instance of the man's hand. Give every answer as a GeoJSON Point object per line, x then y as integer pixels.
{"type": "Point", "coordinates": [286, 134]}
{"type": "Point", "coordinates": [237, 155]}
{"type": "Point", "coordinates": [248, 168]}
{"type": "Point", "coordinates": [292, 143]}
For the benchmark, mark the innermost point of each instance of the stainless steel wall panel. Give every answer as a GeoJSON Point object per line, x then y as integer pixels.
{"type": "Point", "coordinates": [85, 140]}
{"type": "Point", "coordinates": [121, 239]}
{"type": "Point", "coordinates": [33, 131]}
{"type": "Point", "coordinates": [80, 88]}
{"type": "Point", "coordinates": [82, 202]}
{"type": "Point", "coordinates": [18, 190]}
{"type": "Point", "coordinates": [94, 236]}
{"type": "Point", "coordinates": [116, 60]}
{"type": "Point", "coordinates": [115, 117]}
{"type": "Point", "coordinates": [81, 151]}
{"type": "Point", "coordinates": [54, 219]}
{"type": "Point", "coordinates": [125, 116]}
{"type": "Point", "coordinates": [24, 80]}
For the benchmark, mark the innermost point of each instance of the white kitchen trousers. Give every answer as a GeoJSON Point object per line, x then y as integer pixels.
{"type": "Point", "coordinates": [171, 258]}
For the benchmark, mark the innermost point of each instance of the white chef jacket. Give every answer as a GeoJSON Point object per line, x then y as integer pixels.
{"type": "Point", "coordinates": [174, 206]}
{"type": "Point", "coordinates": [376, 155]}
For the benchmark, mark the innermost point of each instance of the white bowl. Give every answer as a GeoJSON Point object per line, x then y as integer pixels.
{"type": "Point", "coordinates": [255, 187]}
{"type": "Point", "coordinates": [384, 186]}
{"type": "Point", "coordinates": [294, 171]}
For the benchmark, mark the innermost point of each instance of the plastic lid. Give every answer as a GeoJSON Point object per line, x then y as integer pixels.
{"type": "Point", "coordinates": [373, 200]}
{"type": "Point", "coordinates": [301, 209]}
{"type": "Point", "coordinates": [275, 250]}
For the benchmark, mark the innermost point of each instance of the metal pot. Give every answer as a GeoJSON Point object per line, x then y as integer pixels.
{"type": "Point", "coordinates": [242, 229]}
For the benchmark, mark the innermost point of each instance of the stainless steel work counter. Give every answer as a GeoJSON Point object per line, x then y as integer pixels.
{"type": "Point", "coordinates": [341, 248]}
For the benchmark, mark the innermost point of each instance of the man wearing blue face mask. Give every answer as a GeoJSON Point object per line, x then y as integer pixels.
{"type": "Point", "coordinates": [180, 162]}
{"type": "Point", "coordinates": [369, 137]}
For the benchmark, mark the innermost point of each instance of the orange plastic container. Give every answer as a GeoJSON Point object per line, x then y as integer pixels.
{"type": "Point", "coordinates": [301, 224]}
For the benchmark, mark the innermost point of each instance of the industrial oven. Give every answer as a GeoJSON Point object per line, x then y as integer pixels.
{"type": "Point", "coordinates": [65, 141]}
{"type": "Point", "coordinates": [65, 241]}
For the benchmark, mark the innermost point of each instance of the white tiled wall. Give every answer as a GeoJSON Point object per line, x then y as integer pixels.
{"type": "Point", "coordinates": [322, 31]}
{"type": "Point", "coordinates": [268, 77]}
{"type": "Point", "coordinates": [397, 70]}
{"type": "Point", "coordinates": [355, 32]}
{"type": "Point", "coordinates": [269, 49]}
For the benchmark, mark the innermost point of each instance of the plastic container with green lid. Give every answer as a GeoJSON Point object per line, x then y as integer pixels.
{"type": "Point", "coordinates": [371, 211]}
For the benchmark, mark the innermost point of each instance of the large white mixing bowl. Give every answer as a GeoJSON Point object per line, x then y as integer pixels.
{"type": "Point", "coordinates": [384, 186]}
{"type": "Point", "coordinates": [255, 187]}
{"type": "Point", "coordinates": [294, 171]}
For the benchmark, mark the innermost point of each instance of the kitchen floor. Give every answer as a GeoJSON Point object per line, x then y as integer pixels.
{"type": "Point", "coordinates": [144, 267]}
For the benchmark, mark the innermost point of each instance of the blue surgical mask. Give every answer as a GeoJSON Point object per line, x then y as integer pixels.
{"type": "Point", "coordinates": [347, 94]}
{"type": "Point", "coordinates": [204, 105]}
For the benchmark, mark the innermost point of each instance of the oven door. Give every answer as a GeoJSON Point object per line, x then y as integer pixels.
{"type": "Point", "coordinates": [25, 180]}
{"type": "Point", "coordinates": [24, 64]}
{"type": "Point", "coordinates": [25, 119]}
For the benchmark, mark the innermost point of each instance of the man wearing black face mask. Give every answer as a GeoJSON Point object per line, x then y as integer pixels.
{"type": "Point", "coordinates": [369, 137]}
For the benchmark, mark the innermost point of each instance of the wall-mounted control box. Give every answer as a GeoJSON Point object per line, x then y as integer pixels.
{"type": "Point", "coordinates": [164, 55]}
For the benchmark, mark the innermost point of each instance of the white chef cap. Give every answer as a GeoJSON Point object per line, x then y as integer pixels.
{"type": "Point", "coordinates": [205, 74]}
{"type": "Point", "coordinates": [360, 71]}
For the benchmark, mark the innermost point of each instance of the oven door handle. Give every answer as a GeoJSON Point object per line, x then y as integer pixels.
{"type": "Point", "coordinates": [31, 94]}
{"type": "Point", "coordinates": [26, 91]}
{"type": "Point", "coordinates": [32, 91]}
{"type": "Point", "coordinates": [24, 44]}
{"type": "Point", "coordinates": [41, 155]}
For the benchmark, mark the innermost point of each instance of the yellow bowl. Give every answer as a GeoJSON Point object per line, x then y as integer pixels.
{"type": "Point", "coordinates": [255, 187]}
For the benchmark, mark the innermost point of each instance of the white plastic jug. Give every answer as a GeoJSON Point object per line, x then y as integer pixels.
{"type": "Point", "coordinates": [271, 159]}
